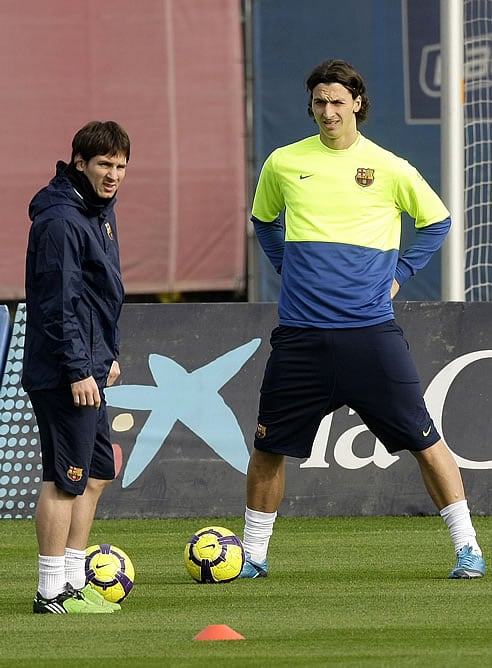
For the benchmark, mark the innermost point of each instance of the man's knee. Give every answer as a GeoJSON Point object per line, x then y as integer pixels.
{"type": "Point", "coordinates": [97, 485]}
{"type": "Point", "coordinates": [50, 490]}
{"type": "Point", "coordinates": [435, 452]}
{"type": "Point", "coordinates": [265, 462]}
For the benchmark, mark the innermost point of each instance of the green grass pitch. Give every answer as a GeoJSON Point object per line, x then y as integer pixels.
{"type": "Point", "coordinates": [341, 592]}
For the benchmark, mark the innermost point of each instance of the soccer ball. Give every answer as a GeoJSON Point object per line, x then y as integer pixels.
{"type": "Point", "coordinates": [109, 570]}
{"type": "Point", "coordinates": [214, 554]}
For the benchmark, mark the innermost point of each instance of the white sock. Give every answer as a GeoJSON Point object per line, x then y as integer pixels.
{"type": "Point", "coordinates": [75, 567]}
{"type": "Point", "coordinates": [458, 521]}
{"type": "Point", "coordinates": [52, 578]}
{"type": "Point", "coordinates": [257, 531]}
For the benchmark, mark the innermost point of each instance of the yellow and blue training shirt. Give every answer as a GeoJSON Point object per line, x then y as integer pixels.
{"type": "Point", "coordinates": [339, 252]}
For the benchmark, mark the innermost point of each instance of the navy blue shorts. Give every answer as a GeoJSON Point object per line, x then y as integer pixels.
{"type": "Point", "coordinates": [312, 372]}
{"type": "Point", "coordinates": [75, 442]}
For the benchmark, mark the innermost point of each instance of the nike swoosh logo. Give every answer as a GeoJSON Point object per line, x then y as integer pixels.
{"type": "Point", "coordinates": [102, 565]}
{"type": "Point", "coordinates": [305, 176]}
{"type": "Point", "coordinates": [427, 431]}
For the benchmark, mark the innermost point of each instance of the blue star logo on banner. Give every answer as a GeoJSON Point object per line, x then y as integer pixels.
{"type": "Point", "coordinates": [192, 398]}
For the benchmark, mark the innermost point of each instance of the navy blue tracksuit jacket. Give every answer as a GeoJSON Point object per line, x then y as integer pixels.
{"type": "Point", "coordinates": [74, 291]}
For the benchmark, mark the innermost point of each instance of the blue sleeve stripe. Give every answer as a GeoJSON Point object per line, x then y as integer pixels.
{"type": "Point", "coordinates": [427, 241]}
{"type": "Point", "coordinates": [271, 237]}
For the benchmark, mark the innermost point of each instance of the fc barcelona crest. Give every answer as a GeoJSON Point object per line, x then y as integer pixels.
{"type": "Point", "coordinates": [74, 473]}
{"type": "Point", "coordinates": [109, 231]}
{"type": "Point", "coordinates": [261, 431]}
{"type": "Point", "coordinates": [364, 176]}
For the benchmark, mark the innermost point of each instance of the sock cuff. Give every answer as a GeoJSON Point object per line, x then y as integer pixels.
{"type": "Point", "coordinates": [71, 553]}
{"type": "Point", "coordinates": [48, 561]}
{"type": "Point", "coordinates": [259, 516]}
{"type": "Point", "coordinates": [457, 505]}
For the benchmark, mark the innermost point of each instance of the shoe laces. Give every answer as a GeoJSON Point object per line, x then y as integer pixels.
{"type": "Point", "coordinates": [74, 593]}
{"type": "Point", "coordinates": [467, 558]}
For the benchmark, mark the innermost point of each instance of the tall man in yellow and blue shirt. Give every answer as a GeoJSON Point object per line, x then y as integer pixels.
{"type": "Point", "coordinates": [337, 342]}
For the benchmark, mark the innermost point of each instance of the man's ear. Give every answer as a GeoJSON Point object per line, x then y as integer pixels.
{"type": "Point", "coordinates": [79, 162]}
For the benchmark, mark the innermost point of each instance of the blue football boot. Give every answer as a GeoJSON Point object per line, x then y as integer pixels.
{"type": "Point", "coordinates": [469, 564]}
{"type": "Point", "coordinates": [253, 569]}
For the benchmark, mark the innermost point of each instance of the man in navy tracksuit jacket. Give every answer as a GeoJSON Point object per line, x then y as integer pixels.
{"type": "Point", "coordinates": [74, 295]}
{"type": "Point", "coordinates": [73, 277]}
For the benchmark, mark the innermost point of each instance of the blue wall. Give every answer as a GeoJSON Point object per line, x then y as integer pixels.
{"type": "Point", "coordinates": [291, 37]}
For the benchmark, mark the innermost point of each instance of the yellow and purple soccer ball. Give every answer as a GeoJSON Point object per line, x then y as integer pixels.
{"type": "Point", "coordinates": [110, 571]}
{"type": "Point", "coordinates": [214, 554]}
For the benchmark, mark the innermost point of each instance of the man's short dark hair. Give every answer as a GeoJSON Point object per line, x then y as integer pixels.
{"type": "Point", "coordinates": [339, 71]}
{"type": "Point", "coordinates": [100, 138]}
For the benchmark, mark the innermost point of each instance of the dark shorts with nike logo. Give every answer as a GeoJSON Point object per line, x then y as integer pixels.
{"type": "Point", "coordinates": [75, 442]}
{"type": "Point", "coordinates": [312, 372]}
